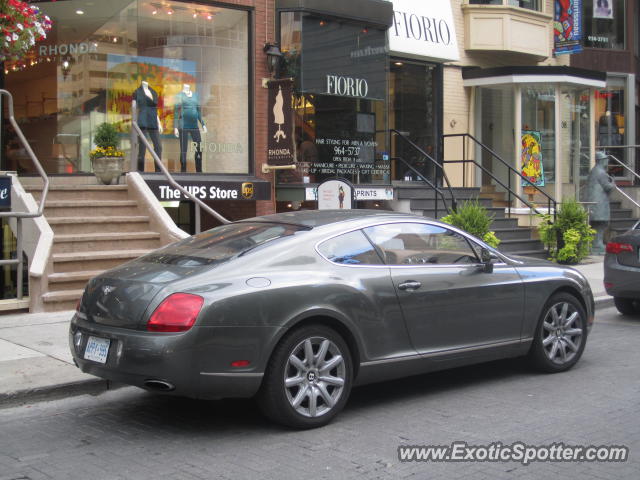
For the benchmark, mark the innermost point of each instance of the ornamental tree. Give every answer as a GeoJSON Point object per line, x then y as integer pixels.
{"type": "Point", "coordinates": [21, 26]}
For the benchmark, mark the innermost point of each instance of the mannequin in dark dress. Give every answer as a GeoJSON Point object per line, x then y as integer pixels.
{"type": "Point", "coordinates": [145, 99]}
{"type": "Point", "coordinates": [185, 120]}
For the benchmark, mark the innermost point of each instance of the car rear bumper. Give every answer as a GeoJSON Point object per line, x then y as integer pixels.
{"type": "Point", "coordinates": [194, 364]}
{"type": "Point", "coordinates": [621, 280]}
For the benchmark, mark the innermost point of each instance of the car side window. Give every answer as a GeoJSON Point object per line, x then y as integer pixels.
{"type": "Point", "coordinates": [420, 244]}
{"type": "Point", "coordinates": [352, 248]}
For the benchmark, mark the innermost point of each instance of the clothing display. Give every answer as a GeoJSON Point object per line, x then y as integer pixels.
{"type": "Point", "coordinates": [154, 135]}
{"type": "Point", "coordinates": [147, 108]}
{"type": "Point", "coordinates": [186, 116]}
{"type": "Point", "coordinates": [187, 111]}
{"type": "Point", "coordinates": [184, 134]}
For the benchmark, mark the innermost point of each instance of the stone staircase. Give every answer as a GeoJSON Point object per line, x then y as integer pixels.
{"type": "Point", "coordinates": [95, 227]}
{"type": "Point", "coordinates": [513, 239]}
{"type": "Point", "coordinates": [622, 219]}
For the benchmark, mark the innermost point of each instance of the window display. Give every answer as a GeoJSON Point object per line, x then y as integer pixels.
{"type": "Point", "coordinates": [94, 66]}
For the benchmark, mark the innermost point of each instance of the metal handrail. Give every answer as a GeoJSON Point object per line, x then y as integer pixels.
{"type": "Point", "coordinates": [623, 165]}
{"type": "Point", "coordinates": [454, 201]}
{"type": "Point", "coordinates": [428, 182]}
{"type": "Point", "coordinates": [170, 178]}
{"type": "Point", "coordinates": [20, 215]}
{"type": "Point", "coordinates": [550, 200]}
{"type": "Point", "coordinates": [627, 196]}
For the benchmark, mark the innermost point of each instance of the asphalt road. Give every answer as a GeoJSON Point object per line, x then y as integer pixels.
{"type": "Point", "coordinates": [132, 434]}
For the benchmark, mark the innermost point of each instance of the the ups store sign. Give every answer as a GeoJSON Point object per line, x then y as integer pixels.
{"type": "Point", "coordinates": [249, 189]}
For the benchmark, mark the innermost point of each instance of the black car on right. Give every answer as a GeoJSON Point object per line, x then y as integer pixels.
{"type": "Point", "coordinates": [622, 271]}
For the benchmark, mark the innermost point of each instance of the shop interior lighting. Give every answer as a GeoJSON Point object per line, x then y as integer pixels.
{"type": "Point", "coordinates": [79, 12]}
{"type": "Point", "coordinates": [169, 12]}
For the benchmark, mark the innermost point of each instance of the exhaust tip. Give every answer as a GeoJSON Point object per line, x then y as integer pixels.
{"type": "Point", "coordinates": [159, 385]}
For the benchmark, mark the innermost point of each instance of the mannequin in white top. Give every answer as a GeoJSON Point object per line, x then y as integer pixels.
{"type": "Point", "coordinates": [186, 120]}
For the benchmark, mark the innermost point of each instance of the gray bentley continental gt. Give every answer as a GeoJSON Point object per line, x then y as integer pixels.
{"type": "Point", "coordinates": [297, 308]}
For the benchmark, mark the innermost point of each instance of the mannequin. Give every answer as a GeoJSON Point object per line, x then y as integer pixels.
{"type": "Point", "coordinates": [185, 121]}
{"type": "Point", "coordinates": [145, 99]}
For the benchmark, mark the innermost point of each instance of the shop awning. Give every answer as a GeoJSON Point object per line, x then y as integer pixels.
{"type": "Point", "coordinates": [480, 77]}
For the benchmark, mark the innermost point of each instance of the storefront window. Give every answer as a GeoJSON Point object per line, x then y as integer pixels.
{"type": "Point", "coordinates": [529, 4]}
{"type": "Point", "coordinates": [538, 121]}
{"type": "Point", "coordinates": [604, 24]}
{"type": "Point", "coordinates": [610, 129]}
{"type": "Point", "coordinates": [193, 58]}
{"type": "Point", "coordinates": [574, 136]}
{"type": "Point", "coordinates": [496, 124]}
{"type": "Point", "coordinates": [339, 100]}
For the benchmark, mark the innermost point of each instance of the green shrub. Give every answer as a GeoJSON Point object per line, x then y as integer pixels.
{"type": "Point", "coordinates": [569, 238]}
{"type": "Point", "coordinates": [474, 219]}
{"type": "Point", "coordinates": [106, 136]}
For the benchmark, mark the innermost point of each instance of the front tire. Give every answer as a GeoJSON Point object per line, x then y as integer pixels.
{"type": "Point", "coordinates": [561, 334]}
{"type": "Point", "coordinates": [627, 306]}
{"type": "Point", "coordinates": [308, 378]}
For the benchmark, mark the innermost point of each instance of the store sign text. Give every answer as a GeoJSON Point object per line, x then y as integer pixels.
{"type": "Point", "coordinates": [201, 192]}
{"type": "Point", "coordinates": [412, 26]}
{"type": "Point", "coordinates": [347, 86]}
{"type": "Point", "coordinates": [67, 48]}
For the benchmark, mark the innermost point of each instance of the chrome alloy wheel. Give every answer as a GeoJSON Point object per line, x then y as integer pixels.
{"type": "Point", "coordinates": [314, 376]}
{"type": "Point", "coordinates": [562, 333]}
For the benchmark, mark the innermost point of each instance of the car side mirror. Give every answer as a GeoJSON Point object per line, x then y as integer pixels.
{"type": "Point", "coordinates": [486, 259]}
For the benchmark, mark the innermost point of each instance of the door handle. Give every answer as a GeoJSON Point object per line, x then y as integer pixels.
{"type": "Point", "coordinates": [410, 285]}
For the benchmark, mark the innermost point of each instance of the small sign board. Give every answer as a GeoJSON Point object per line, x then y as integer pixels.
{"type": "Point", "coordinates": [5, 192]}
{"type": "Point", "coordinates": [336, 193]}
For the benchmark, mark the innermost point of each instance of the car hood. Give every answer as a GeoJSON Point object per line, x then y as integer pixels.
{"type": "Point", "coordinates": [121, 296]}
{"type": "Point", "coordinates": [530, 261]}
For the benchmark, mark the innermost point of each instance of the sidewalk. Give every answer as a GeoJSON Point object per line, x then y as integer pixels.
{"type": "Point", "coordinates": [35, 362]}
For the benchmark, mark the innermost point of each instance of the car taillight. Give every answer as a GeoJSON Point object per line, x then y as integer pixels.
{"type": "Point", "coordinates": [615, 247]}
{"type": "Point", "coordinates": [176, 313]}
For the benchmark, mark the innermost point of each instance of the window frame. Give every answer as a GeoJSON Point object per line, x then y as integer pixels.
{"type": "Point", "coordinates": [473, 243]}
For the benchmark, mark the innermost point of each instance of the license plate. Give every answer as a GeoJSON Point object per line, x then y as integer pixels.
{"type": "Point", "coordinates": [97, 349]}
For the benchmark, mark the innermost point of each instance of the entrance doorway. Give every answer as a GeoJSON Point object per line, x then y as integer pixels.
{"type": "Point", "coordinates": [415, 108]}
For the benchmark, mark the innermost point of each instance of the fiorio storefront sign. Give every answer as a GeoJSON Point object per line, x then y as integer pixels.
{"type": "Point", "coordinates": [423, 30]}
{"type": "Point", "coordinates": [347, 86]}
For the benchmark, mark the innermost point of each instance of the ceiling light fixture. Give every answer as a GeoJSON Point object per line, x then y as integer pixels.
{"type": "Point", "coordinates": [79, 12]}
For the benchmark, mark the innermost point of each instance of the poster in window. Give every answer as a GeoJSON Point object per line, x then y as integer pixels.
{"type": "Point", "coordinates": [567, 26]}
{"type": "Point", "coordinates": [165, 75]}
{"type": "Point", "coordinates": [531, 166]}
{"type": "Point", "coordinates": [603, 9]}
{"type": "Point", "coordinates": [280, 121]}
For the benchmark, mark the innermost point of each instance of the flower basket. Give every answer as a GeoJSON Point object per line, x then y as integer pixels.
{"type": "Point", "coordinates": [22, 25]}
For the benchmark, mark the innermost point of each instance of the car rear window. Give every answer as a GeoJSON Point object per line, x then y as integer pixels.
{"type": "Point", "coordinates": [222, 243]}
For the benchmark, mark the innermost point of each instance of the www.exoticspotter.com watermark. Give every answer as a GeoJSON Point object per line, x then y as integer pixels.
{"type": "Point", "coordinates": [515, 452]}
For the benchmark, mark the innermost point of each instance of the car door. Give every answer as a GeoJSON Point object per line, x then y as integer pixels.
{"type": "Point", "coordinates": [448, 299]}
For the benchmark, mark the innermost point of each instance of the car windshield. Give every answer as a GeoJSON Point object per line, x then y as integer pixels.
{"type": "Point", "coordinates": [222, 243]}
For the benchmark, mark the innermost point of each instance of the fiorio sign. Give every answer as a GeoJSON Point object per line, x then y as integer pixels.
{"type": "Point", "coordinates": [347, 86]}
{"type": "Point", "coordinates": [5, 192]}
{"type": "Point", "coordinates": [423, 30]}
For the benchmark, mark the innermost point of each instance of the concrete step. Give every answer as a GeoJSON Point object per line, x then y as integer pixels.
{"type": "Point", "coordinates": [621, 213]}
{"type": "Point", "coordinates": [83, 261]}
{"type": "Point", "coordinates": [532, 253]}
{"type": "Point", "coordinates": [517, 246]}
{"type": "Point", "coordinates": [429, 204]}
{"type": "Point", "coordinates": [62, 300]}
{"type": "Point", "coordinates": [519, 233]}
{"type": "Point", "coordinates": [91, 242]}
{"type": "Point", "coordinates": [79, 225]}
{"type": "Point", "coordinates": [101, 208]}
{"type": "Point", "coordinates": [71, 280]}
{"type": "Point", "coordinates": [497, 213]}
{"type": "Point", "coordinates": [417, 191]}
{"type": "Point", "coordinates": [85, 192]}
{"type": "Point", "coordinates": [622, 223]}
{"type": "Point", "coordinates": [503, 223]}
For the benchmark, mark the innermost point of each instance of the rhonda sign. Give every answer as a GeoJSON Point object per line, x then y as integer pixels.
{"type": "Point", "coordinates": [335, 194]}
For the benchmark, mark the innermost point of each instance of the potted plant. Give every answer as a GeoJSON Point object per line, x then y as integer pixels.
{"type": "Point", "coordinates": [474, 219]}
{"type": "Point", "coordinates": [569, 238]}
{"type": "Point", "coordinates": [106, 160]}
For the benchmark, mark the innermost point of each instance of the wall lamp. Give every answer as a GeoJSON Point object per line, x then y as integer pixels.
{"type": "Point", "coordinates": [274, 57]}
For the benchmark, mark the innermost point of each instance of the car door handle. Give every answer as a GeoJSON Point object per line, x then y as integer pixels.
{"type": "Point", "coordinates": [410, 285]}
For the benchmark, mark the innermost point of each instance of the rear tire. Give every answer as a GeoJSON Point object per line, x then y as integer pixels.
{"type": "Point", "coordinates": [308, 378]}
{"type": "Point", "coordinates": [561, 334]}
{"type": "Point", "coordinates": [627, 306]}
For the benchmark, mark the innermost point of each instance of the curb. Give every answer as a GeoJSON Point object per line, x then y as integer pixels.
{"type": "Point", "coordinates": [55, 392]}
{"type": "Point", "coordinates": [605, 301]}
